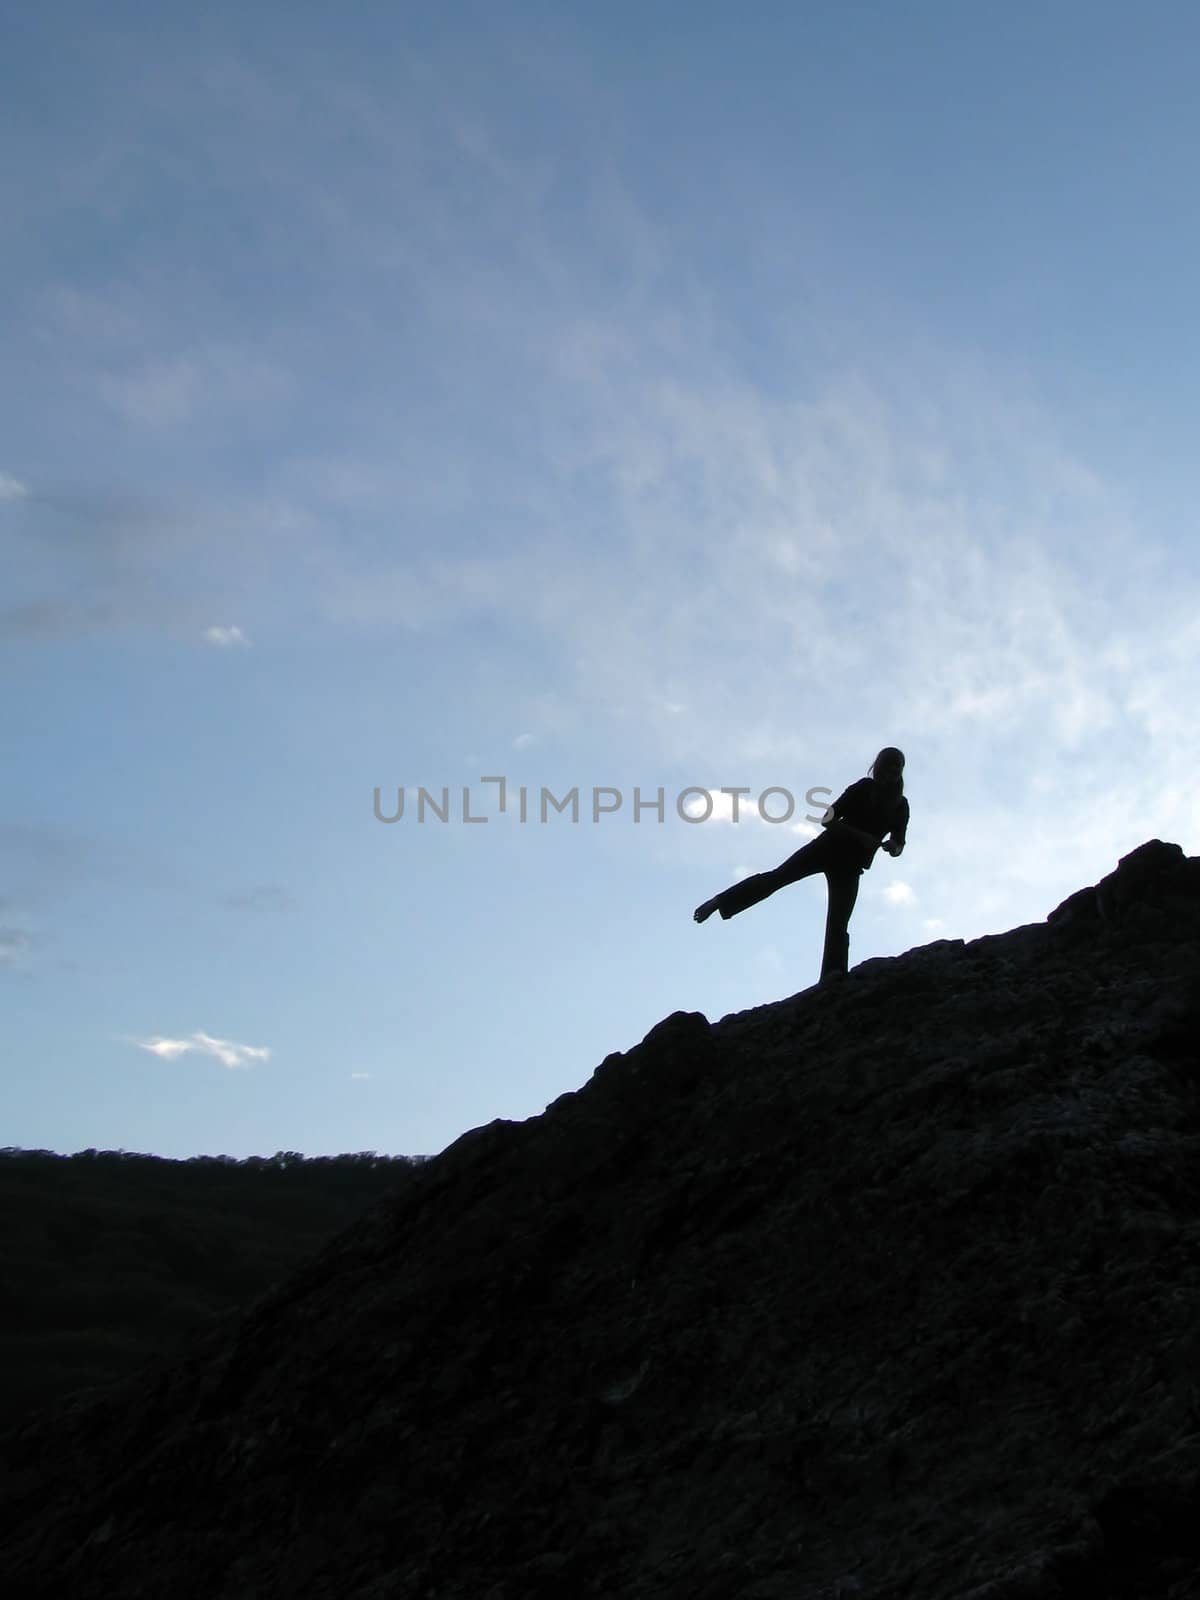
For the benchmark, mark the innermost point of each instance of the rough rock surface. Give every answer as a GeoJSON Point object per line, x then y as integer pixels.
{"type": "Point", "coordinates": [888, 1289]}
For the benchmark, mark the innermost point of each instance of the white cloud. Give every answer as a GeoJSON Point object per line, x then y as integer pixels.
{"type": "Point", "coordinates": [899, 894]}
{"type": "Point", "coordinates": [360, 1074]}
{"type": "Point", "coordinates": [224, 1050]}
{"type": "Point", "coordinates": [748, 808]}
{"type": "Point", "coordinates": [225, 636]}
{"type": "Point", "coordinates": [12, 488]}
{"type": "Point", "coordinates": [523, 741]}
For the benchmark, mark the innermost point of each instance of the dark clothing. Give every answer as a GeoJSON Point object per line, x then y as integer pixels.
{"type": "Point", "coordinates": [838, 858]}
{"type": "Point", "coordinates": [863, 806]}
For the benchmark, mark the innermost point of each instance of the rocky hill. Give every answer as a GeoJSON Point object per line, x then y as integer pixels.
{"type": "Point", "coordinates": [109, 1258]}
{"type": "Point", "coordinates": [886, 1290]}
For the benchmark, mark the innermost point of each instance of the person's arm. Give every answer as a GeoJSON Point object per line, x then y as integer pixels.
{"type": "Point", "coordinates": [896, 839]}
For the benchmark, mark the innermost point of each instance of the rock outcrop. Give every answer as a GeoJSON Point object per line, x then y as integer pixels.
{"type": "Point", "coordinates": [888, 1289]}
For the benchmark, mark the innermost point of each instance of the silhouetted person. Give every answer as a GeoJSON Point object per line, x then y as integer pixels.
{"type": "Point", "coordinates": [856, 825]}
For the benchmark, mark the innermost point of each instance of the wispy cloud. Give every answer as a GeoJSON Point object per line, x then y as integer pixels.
{"type": "Point", "coordinates": [204, 384]}
{"type": "Point", "coordinates": [12, 488]}
{"type": "Point", "coordinates": [225, 1051]}
{"type": "Point", "coordinates": [44, 862]}
{"type": "Point", "coordinates": [97, 560]}
{"type": "Point", "coordinates": [225, 636]}
{"type": "Point", "coordinates": [60, 619]}
{"type": "Point", "coordinates": [41, 860]}
{"type": "Point", "coordinates": [15, 945]}
{"type": "Point", "coordinates": [758, 545]}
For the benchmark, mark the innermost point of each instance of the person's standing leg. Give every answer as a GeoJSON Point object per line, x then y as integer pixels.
{"type": "Point", "coordinates": [843, 892]}
{"type": "Point", "coordinates": [802, 863]}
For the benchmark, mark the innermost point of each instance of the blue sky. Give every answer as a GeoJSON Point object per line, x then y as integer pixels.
{"type": "Point", "coordinates": [594, 396]}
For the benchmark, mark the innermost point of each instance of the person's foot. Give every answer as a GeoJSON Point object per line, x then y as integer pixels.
{"type": "Point", "coordinates": [702, 913]}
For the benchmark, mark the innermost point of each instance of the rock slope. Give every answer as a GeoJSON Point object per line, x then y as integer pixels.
{"type": "Point", "coordinates": [888, 1289]}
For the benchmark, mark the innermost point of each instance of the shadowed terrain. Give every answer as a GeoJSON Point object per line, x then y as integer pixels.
{"type": "Point", "coordinates": [109, 1258]}
{"type": "Point", "coordinates": [887, 1289]}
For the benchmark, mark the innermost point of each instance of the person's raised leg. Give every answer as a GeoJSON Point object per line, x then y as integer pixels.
{"type": "Point", "coordinates": [815, 856]}
{"type": "Point", "coordinates": [802, 863]}
{"type": "Point", "coordinates": [738, 897]}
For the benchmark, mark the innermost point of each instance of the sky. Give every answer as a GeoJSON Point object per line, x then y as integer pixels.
{"type": "Point", "coordinates": [603, 398]}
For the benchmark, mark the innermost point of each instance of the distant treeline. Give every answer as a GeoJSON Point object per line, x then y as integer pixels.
{"type": "Point", "coordinates": [111, 1258]}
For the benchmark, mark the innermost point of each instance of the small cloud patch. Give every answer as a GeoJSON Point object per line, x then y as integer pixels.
{"type": "Point", "coordinates": [223, 638]}
{"type": "Point", "coordinates": [225, 1051]}
{"type": "Point", "coordinates": [14, 947]}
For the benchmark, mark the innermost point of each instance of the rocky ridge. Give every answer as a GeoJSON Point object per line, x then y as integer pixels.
{"type": "Point", "coordinates": [887, 1289]}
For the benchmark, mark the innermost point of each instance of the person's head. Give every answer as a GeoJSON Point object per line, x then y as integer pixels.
{"type": "Point", "coordinates": [888, 768]}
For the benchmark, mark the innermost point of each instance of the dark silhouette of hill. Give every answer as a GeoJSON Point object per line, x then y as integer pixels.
{"type": "Point", "coordinates": [110, 1259]}
{"type": "Point", "coordinates": [886, 1290]}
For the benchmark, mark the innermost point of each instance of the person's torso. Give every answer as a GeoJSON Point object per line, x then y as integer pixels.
{"type": "Point", "coordinates": [864, 806]}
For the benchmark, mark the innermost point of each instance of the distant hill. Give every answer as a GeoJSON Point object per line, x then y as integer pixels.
{"type": "Point", "coordinates": [890, 1290]}
{"type": "Point", "coordinates": [109, 1259]}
